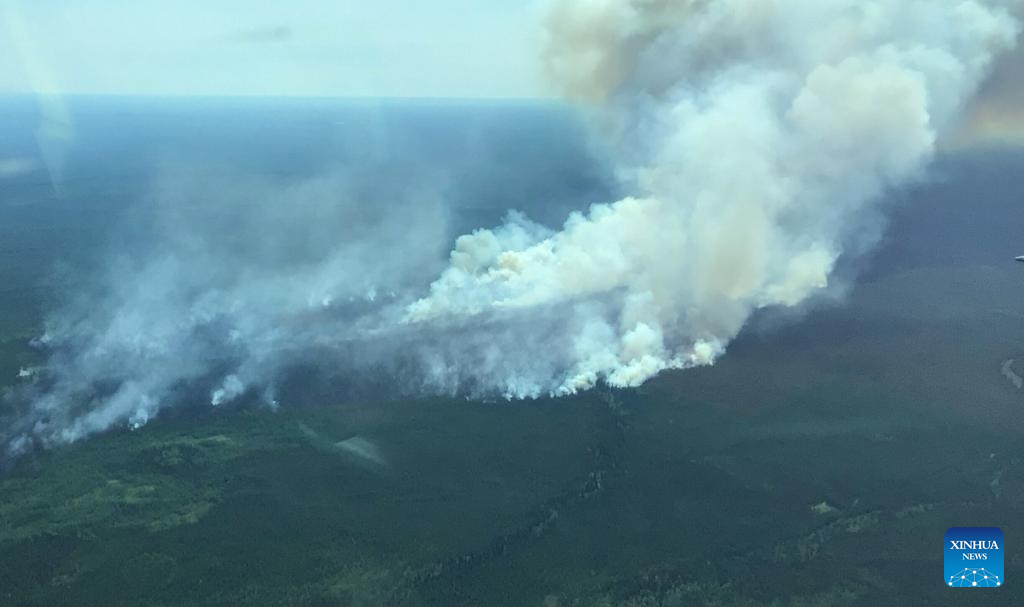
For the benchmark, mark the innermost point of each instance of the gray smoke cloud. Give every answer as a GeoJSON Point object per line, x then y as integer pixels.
{"type": "Point", "coordinates": [758, 136]}
{"type": "Point", "coordinates": [757, 139]}
{"type": "Point", "coordinates": [230, 295]}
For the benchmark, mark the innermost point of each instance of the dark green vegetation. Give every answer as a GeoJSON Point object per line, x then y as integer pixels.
{"type": "Point", "coordinates": [818, 464]}
{"type": "Point", "coordinates": [796, 472]}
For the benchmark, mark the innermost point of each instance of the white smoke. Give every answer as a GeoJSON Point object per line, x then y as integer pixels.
{"type": "Point", "coordinates": [757, 138]}
{"type": "Point", "coordinates": [758, 135]}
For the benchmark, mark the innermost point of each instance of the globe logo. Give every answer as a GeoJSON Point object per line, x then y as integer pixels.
{"type": "Point", "coordinates": [969, 578]}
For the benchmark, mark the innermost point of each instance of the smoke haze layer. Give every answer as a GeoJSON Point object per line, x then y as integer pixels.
{"type": "Point", "coordinates": [756, 140]}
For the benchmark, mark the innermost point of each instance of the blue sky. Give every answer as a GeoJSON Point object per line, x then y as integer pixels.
{"type": "Point", "coordinates": [404, 48]}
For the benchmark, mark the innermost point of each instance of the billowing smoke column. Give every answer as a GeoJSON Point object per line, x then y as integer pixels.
{"type": "Point", "coordinates": [757, 135]}
{"type": "Point", "coordinates": [757, 138]}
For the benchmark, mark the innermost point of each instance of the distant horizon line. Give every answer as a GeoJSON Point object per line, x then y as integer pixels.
{"type": "Point", "coordinates": [243, 97]}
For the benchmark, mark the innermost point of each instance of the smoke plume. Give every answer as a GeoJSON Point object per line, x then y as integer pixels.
{"type": "Point", "coordinates": [757, 139]}
{"type": "Point", "coordinates": [758, 136]}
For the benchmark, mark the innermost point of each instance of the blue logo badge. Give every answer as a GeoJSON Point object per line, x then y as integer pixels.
{"type": "Point", "coordinates": [974, 557]}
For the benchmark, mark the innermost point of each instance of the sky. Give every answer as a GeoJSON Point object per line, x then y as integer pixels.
{"type": "Point", "coordinates": [343, 48]}
{"type": "Point", "coordinates": [379, 48]}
